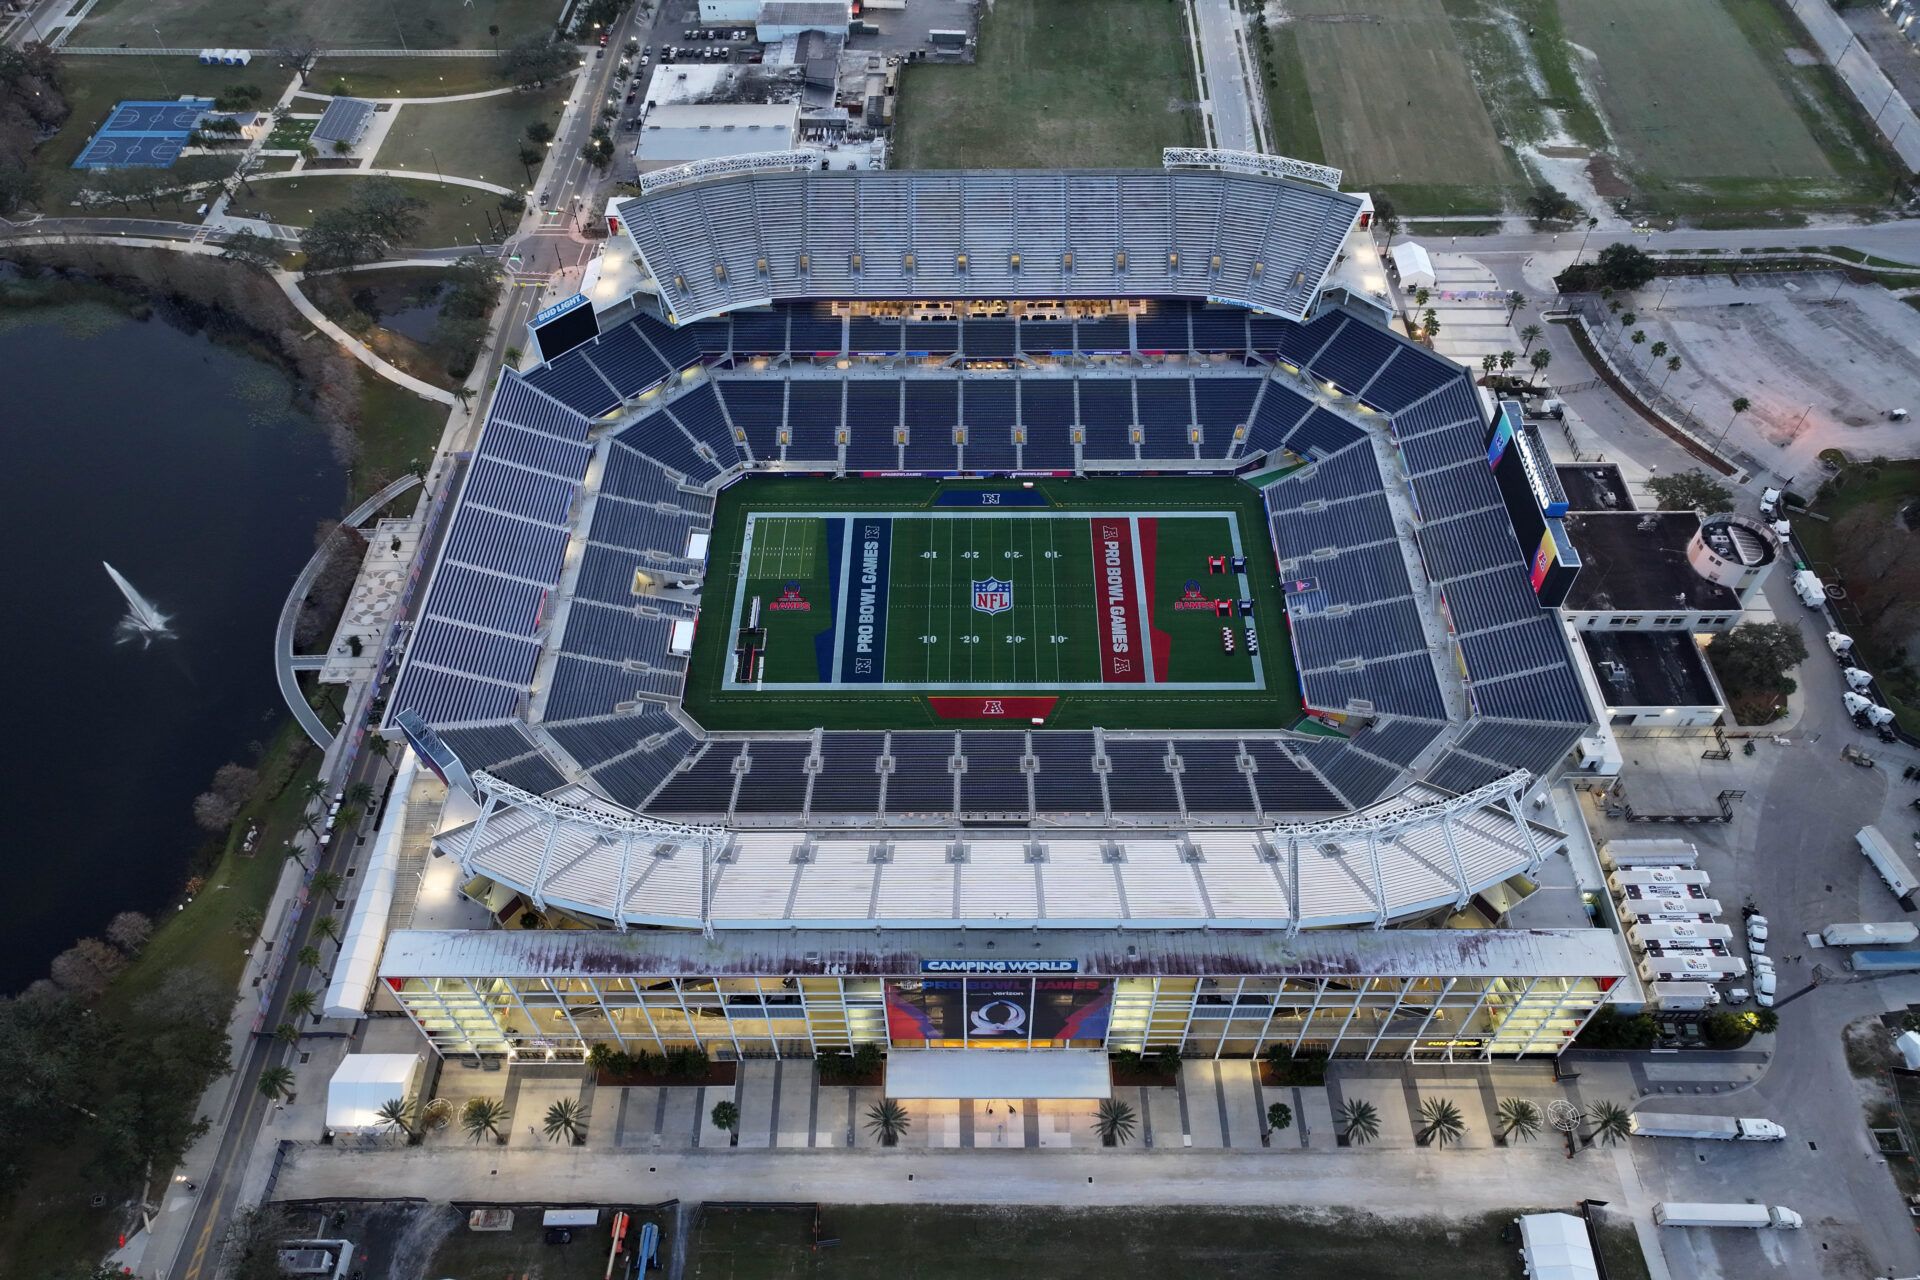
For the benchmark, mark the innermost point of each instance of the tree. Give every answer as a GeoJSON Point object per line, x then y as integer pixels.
{"type": "Point", "coordinates": [726, 1116]}
{"type": "Point", "coordinates": [1624, 266]}
{"type": "Point", "coordinates": [327, 883]}
{"type": "Point", "coordinates": [302, 1002]}
{"type": "Point", "coordinates": [1358, 1121]}
{"type": "Point", "coordinates": [1279, 1117]}
{"type": "Point", "coordinates": [402, 1114]}
{"type": "Point", "coordinates": [493, 30]}
{"type": "Point", "coordinates": [1515, 301]}
{"type": "Point", "coordinates": [1637, 337]}
{"type": "Point", "coordinates": [540, 133]}
{"type": "Point", "coordinates": [529, 157]}
{"type": "Point", "coordinates": [567, 1119]}
{"type": "Point", "coordinates": [888, 1121]}
{"type": "Point", "coordinates": [1530, 335]}
{"type": "Point", "coordinates": [1113, 1121]}
{"type": "Point", "coordinates": [1756, 656]}
{"type": "Point", "coordinates": [309, 956]}
{"type": "Point", "coordinates": [1539, 360]}
{"type": "Point", "coordinates": [483, 1117]}
{"type": "Point", "coordinates": [1550, 204]}
{"type": "Point", "coordinates": [1766, 1021]}
{"type": "Point", "coordinates": [360, 793]}
{"type": "Point", "coordinates": [1740, 405]}
{"type": "Point", "coordinates": [534, 60]}
{"type": "Point", "coordinates": [1628, 319]}
{"type": "Point", "coordinates": [1690, 490]}
{"type": "Point", "coordinates": [1488, 363]}
{"type": "Point", "coordinates": [129, 931]}
{"type": "Point", "coordinates": [251, 1250]}
{"type": "Point", "coordinates": [1655, 352]}
{"type": "Point", "coordinates": [247, 922]}
{"type": "Point", "coordinates": [298, 50]}
{"type": "Point", "coordinates": [87, 967]}
{"type": "Point", "coordinates": [1519, 1119]}
{"type": "Point", "coordinates": [1673, 367]}
{"type": "Point", "coordinates": [1441, 1122]}
{"type": "Point", "coordinates": [214, 813]}
{"type": "Point", "coordinates": [328, 928]}
{"type": "Point", "coordinates": [1611, 1122]}
{"type": "Point", "coordinates": [1506, 360]}
{"type": "Point", "coordinates": [598, 151]}
{"type": "Point", "coordinates": [287, 1033]}
{"type": "Point", "coordinates": [1420, 296]}
{"type": "Point", "coordinates": [275, 1084]}
{"type": "Point", "coordinates": [1386, 218]}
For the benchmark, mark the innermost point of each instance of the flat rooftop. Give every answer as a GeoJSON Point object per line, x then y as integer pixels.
{"type": "Point", "coordinates": [1357, 953]}
{"type": "Point", "coordinates": [1636, 562]}
{"type": "Point", "coordinates": [1594, 486]}
{"type": "Point", "coordinates": [1650, 668]}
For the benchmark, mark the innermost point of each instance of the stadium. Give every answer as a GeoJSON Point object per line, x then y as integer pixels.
{"type": "Point", "coordinates": [896, 598]}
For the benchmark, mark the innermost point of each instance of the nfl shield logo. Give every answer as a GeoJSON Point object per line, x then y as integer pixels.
{"type": "Point", "coordinates": [992, 595]}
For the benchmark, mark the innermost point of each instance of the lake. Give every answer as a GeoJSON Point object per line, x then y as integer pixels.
{"type": "Point", "coordinates": [186, 465]}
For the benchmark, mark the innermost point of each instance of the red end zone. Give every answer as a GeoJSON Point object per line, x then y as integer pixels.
{"type": "Point", "coordinates": [963, 708]}
{"type": "Point", "coordinates": [1122, 642]}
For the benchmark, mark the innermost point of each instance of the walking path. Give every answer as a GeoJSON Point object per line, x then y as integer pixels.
{"type": "Point", "coordinates": [450, 179]}
{"type": "Point", "coordinates": [1228, 96]}
{"type": "Point", "coordinates": [289, 284]}
{"type": "Point", "coordinates": [420, 102]}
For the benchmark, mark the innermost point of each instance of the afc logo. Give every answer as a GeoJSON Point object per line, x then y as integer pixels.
{"type": "Point", "coordinates": [992, 595]}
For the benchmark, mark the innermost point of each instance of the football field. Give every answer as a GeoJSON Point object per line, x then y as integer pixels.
{"type": "Point", "coordinates": [1007, 600]}
{"type": "Point", "coordinates": [896, 603]}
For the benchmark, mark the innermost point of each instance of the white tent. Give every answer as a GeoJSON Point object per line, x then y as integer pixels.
{"type": "Point", "coordinates": [1555, 1246]}
{"type": "Point", "coordinates": [1908, 1043]}
{"type": "Point", "coordinates": [364, 1083]}
{"type": "Point", "coordinates": [1412, 265]}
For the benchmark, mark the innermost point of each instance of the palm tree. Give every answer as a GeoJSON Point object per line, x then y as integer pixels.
{"type": "Point", "coordinates": [483, 1117]}
{"type": "Point", "coordinates": [1591, 224]}
{"type": "Point", "coordinates": [360, 793]}
{"type": "Point", "coordinates": [1113, 1121]}
{"type": "Point", "coordinates": [1420, 297]}
{"type": "Point", "coordinates": [1279, 1117]}
{"type": "Point", "coordinates": [287, 1033]}
{"type": "Point", "coordinates": [314, 788]}
{"type": "Point", "coordinates": [726, 1116]}
{"type": "Point", "coordinates": [1611, 1122]}
{"type": "Point", "coordinates": [1442, 1122]}
{"type": "Point", "coordinates": [1519, 1119]}
{"type": "Point", "coordinates": [399, 1113]}
{"type": "Point", "coordinates": [1655, 352]}
{"type": "Point", "coordinates": [298, 854]}
{"type": "Point", "coordinates": [1532, 335]}
{"type": "Point", "coordinates": [1740, 405]}
{"type": "Point", "coordinates": [1539, 360]}
{"type": "Point", "coordinates": [302, 1001]}
{"type": "Point", "coordinates": [327, 927]}
{"type": "Point", "coordinates": [1673, 367]}
{"type": "Point", "coordinates": [888, 1121]}
{"type": "Point", "coordinates": [309, 956]}
{"type": "Point", "coordinates": [1515, 301]}
{"type": "Point", "coordinates": [1637, 337]}
{"type": "Point", "coordinates": [275, 1083]}
{"type": "Point", "coordinates": [566, 1119]}
{"type": "Point", "coordinates": [1358, 1121]}
{"type": "Point", "coordinates": [327, 882]}
{"type": "Point", "coordinates": [1488, 362]}
{"type": "Point", "coordinates": [1506, 360]}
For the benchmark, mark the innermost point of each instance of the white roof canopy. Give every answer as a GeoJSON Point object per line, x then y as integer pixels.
{"type": "Point", "coordinates": [1556, 1247]}
{"type": "Point", "coordinates": [363, 1084]}
{"type": "Point", "coordinates": [1413, 264]}
{"type": "Point", "coordinates": [998, 1073]}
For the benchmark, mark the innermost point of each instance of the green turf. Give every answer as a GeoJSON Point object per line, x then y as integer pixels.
{"type": "Point", "coordinates": [962, 1242]}
{"type": "Point", "coordinates": [476, 138]}
{"type": "Point", "coordinates": [936, 639]}
{"type": "Point", "coordinates": [454, 215]}
{"type": "Point", "coordinates": [1057, 84]}
{"type": "Point", "coordinates": [337, 24]}
{"type": "Point", "coordinates": [403, 77]}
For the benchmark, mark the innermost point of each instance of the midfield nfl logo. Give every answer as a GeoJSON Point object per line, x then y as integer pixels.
{"type": "Point", "coordinates": [992, 595]}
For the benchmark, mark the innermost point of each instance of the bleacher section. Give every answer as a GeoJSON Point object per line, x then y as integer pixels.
{"type": "Point", "coordinates": [498, 617]}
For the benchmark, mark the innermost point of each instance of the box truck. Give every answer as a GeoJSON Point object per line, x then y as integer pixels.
{"type": "Point", "coordinates": [1691, 966]}
{"type": "Point", "coordinates": [1868, 935]}
{"type": "Point", "coordinates": [1812, 591]}
{"type": "Point", "coordinates": [1649, 853]}
{"type": "Point", "coordinates": [1674, 1213]}
{"type": "Point", "coordinates": [1887, 861]}
{"type": "Point", "coordinates": [1650, 1124]}
{"type": "Point", "coordinates": [1884, 961]}
{"type": "Point", "coordinates": [1683, 997]}
{"type": "Point", "coordinates": [1678, 935]}
{"type": "Point", "coordinates": [1657, 877]}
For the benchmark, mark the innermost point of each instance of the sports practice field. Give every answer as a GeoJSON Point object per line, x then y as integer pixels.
{"type": "Point", "coordinates": [898, 603]}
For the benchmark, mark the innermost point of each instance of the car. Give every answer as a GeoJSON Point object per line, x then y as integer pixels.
{"type": "Point", "coordinates": [1763, 988]}
{"type": "Point", "coordinates": [646, 59]}
{"type": "Point", "coordinates": [631, 95]}
{"type": "Point", "coordinates": [599, 53]}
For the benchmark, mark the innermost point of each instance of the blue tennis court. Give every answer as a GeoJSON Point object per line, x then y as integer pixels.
{"type": "Point", "coordinates": [141, 134]}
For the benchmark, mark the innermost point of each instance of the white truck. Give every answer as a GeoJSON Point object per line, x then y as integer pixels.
{"type": "Point", "coordinates": [1812, 591]}
{"type": "Point", "coordinates": [1869, 935]}
{"type": "Point", "coordinates": [1674, 1213]}
{"type": "Point", "coordinates": [1887, 861]}
{"type": "Point", "coordinates": [1683, 997]}
{"type": "Point", "coordinates": [1648, 1124]}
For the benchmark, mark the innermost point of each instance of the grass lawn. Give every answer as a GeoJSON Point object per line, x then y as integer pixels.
{"type": "Point", "coordinates": [398, 432]}
{"type": "Point", "coordinates": [404, 77]}
{"type": "Point", "coordinates": [353, 24]}
{"type": "Point", "coordinates": [932, 1242]}
{"type": "Point", "coordinates": [94, 85]}
{"type": "Point", "coordinates": [50, 1221]}
{"type": "Point", "coordinates": [1058, 83]}
{"type": "Point", "coordinates": [1397, 106]}
{"type": "Point", "coordinates": [476, 138]}
{"type": "Point", "coordinates": [453, 214]}
{"type": "Point", "coordinates": [1051, 595]}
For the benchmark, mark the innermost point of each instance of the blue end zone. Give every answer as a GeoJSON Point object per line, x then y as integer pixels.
{"type": "Point", "coordinates": [989, 498]}
{"type": "Point", "coordinates": [823, 644]}
{"type": "Point", "coordinates": [864, 659]}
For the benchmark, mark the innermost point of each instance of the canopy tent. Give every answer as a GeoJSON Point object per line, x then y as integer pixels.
{"type": "Point", "coordinates": [998, 1073]}
{"type": "Point", "coordinates": [363, 1084]}
{"type": "Point", "coordinates": [1556, 1246]}
{"type": "Point", "coordinates": [1413, 266]}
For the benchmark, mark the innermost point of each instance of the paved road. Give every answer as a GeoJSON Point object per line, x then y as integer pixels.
{"type": "Point", "coordinates": [1898, 240]}
{"type": "Point", "coordinates": [1226, 75]}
